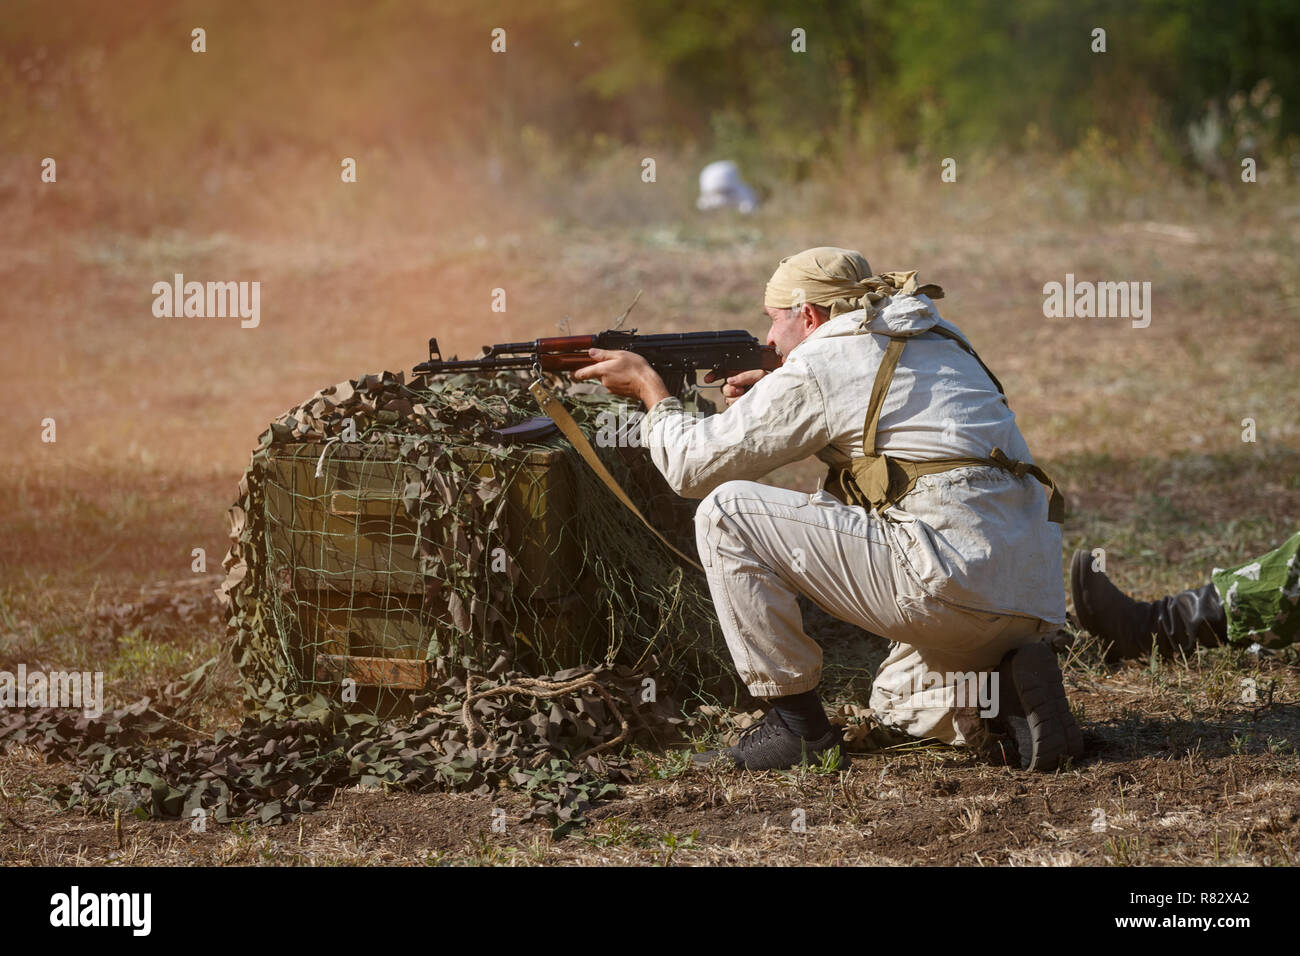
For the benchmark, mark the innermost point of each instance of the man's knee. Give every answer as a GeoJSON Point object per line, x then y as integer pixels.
{"type": "Point", "coordinates": [715, 508]}
{"type": "Point", "coordinates": [719, 501]}
{"type": "Point", "coordinates": [719, 504]}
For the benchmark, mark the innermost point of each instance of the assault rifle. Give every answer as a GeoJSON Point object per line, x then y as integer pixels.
{"type": "Point", "coordinates": [674, 355]}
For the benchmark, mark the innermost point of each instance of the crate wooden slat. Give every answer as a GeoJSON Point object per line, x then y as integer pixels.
{"type": "Point", "coordinates": [372, 671]}
{"type": "Point", "coordinates": [345, 555]}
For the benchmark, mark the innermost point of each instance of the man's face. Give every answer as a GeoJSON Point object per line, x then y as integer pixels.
{"type": "Point", "coordinates": [790, 327]}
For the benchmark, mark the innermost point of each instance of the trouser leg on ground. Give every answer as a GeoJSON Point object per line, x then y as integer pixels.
{"type": "Point", "coordinates": [761, 547]}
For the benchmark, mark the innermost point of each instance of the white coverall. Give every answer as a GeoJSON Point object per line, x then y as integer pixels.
{"type": "Point", "coordinates": [964, 569]}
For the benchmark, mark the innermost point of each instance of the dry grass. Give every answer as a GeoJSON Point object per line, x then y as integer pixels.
{"type": "Point", "coordinates": [1175, 775]}
{"type": "Point", "coordinates": [1143, 426]}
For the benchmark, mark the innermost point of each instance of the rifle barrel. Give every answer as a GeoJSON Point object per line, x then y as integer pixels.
{"type": "Point", "coordinates": [669, 352]}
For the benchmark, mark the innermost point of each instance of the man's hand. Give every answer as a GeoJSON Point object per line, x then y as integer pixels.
{"type": "Point", "coordinates": [738, 384]}
{"type": "Point", "coordinates": [625, 373]}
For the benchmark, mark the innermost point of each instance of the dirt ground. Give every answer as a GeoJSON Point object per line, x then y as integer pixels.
{"type": "Point", "coordinates": [1142, 427]}
{"type": "Point", "coordinates": [1170, 777]}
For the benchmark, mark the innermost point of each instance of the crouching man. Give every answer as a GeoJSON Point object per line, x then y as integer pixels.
{"type": "Point", "coordinates": [934, 530]}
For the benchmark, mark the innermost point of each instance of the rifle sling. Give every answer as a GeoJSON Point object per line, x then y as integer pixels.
{"type": "Point", "coordinates": [554, 409]}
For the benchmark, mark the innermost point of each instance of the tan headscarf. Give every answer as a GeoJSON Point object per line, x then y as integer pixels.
{"type": "Point", "coordinates": [838, 278]}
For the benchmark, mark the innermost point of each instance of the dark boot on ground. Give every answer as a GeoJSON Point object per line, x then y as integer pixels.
{"type": "Point", "coordinates": [1175, 625]}
{"type": "Point", "coordinates": [1190, 619]}
{"type": "Point", "coordinates": [1033, 711]}
{"type": "Point", "coordinates": [771, 745]}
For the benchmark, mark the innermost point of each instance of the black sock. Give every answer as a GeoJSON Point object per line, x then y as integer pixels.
{"type": "Point", "coordinates": [803, 714]}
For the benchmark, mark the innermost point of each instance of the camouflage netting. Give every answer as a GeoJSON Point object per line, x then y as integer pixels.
{"type": "Point", "coordinates": [388, 520]}
{"type": "Point", "coordinates": [431, 542]}
{"type": "Point", "coordinates": [270, 771]}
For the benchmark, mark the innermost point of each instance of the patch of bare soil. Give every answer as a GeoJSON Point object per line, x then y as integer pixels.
{"type": "Point", "coordinates": [1170, 777]}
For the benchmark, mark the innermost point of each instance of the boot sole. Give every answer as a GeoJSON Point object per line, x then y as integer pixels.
{"type": "Point", "coordinates": [808, 758]}
{"type": "Point", "coordinates": [1047, 733]}
{"type": "Point", "coordinates": [1078, 568]}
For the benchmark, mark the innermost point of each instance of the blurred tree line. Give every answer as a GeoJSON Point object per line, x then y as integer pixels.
{"type": "Point", "coordinates": [1197, 80]}
{"type": "Point", "coordinates": [949, 74]}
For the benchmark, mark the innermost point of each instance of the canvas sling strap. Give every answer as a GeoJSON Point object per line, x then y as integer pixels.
{"type": "Point", "coordinates": [875, 481]}
{"type": "Point", "coordinates": [554, 409]}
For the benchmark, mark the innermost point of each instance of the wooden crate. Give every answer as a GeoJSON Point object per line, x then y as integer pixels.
{"type": "Point", "coordinates": [345, 554]}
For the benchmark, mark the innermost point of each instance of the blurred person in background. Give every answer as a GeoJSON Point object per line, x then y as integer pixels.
{"type": "Point", "coordinates": [721, 187]}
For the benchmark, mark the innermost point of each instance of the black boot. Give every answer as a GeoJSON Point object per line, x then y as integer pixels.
{"type": "Point", "coordinates": [771, 745]}
{"type": "Point", "coordinates": [1175, 624]}
{"type": "Point", "coordinates": [1033, 710]}
{"type": "Point", "coordinates": [1190, 618]}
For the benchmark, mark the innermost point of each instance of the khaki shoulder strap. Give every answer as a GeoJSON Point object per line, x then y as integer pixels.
{"type": "Point", "coordinates": [948, 334]}
{"type": "Point", "coordinates": [879, 389]}
{"type": "Point", "coordinates": [871, 477]}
